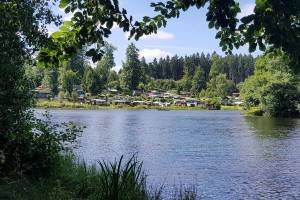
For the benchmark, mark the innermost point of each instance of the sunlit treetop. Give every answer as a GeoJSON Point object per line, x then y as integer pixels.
{"type": "Point", "coordinates": [273, 25]}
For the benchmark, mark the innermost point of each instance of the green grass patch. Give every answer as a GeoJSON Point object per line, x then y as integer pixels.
{"type": "Point", "coordinates": [46, 104]}
{"type": "Point", "coordinates": [255, 112]}
{"type": "Point", "coordinates": [232, 108]}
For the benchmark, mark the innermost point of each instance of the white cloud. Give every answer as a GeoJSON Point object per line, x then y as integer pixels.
{"type": "Point", "coordinates": [160, 35]}
{"type": "Point", "coordinates": [67, 17]}
{"type": "Point", "coordinates": [150, 54]}
{"type": "Point", "coordinates": [246, 10]}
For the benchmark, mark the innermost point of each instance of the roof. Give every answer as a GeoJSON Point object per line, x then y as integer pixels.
{"type": "Point", "coordinates": [42, 89]}
{"type": "Point", "coordinates": [113, 90]}
{"type": "Point", "coordinates": [99, 100]}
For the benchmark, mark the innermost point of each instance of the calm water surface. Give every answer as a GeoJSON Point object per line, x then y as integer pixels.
{"type": "Point", "coordinates": [222, 153]}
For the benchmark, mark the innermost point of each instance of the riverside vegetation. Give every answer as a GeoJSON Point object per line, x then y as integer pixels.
{"type": "Point", "coordinates": [33, 163]}
{"type": "Point", "coordinates": [54, 104]}
{"type": "Point", "coordinates": [270, 72]}
{"type": "Point", "coordinates": [70, 179]}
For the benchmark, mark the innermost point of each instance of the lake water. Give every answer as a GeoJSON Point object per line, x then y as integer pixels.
{"type": "Point", "coordinates": [224, 154]}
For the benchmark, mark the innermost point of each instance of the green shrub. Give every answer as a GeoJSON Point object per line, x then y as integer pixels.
{"type": "Point", "coordinates": [281, 100]}
{"type": "Point", "coordinates": [34, 150]}
{"type": "Point", "coordinates": [255, 111]}
{"type": "Point", "coordinates": [214, 103]}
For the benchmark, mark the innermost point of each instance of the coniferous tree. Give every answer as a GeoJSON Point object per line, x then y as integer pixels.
{"type": "Point", "coordinates": [106, 63]}
{"type": "Point", "coordinates": [78, 63]}
{"type": "Point", "coordinates": [131, 73]}
{"type": "Point", "coordinates": [144, 70]}
{"type": "Point", "coordinates": [90, 81]}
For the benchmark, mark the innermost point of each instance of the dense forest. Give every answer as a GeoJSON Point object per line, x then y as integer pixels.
{"type": "Point", "coordinates": [197, 73]}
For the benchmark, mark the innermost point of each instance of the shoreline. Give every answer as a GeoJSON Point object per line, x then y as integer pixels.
{"type": "Point", "coordinates": [78, 106]}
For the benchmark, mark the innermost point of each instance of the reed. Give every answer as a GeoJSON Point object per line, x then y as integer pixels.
{"type": "Point", "coordinates": [71, 179]}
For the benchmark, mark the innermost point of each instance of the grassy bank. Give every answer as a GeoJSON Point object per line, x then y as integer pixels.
{"type": "Point", "coordinates": [232, 108]}
{"type": "Point", "coordinates": [254, 112]}
{"type": "Point", "coordinates": [119, 180]}
{"type": "Point", "coordinates": [75, 105]}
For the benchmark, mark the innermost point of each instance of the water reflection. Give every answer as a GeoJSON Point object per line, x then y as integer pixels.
{"type": "Point", "coordinates": [272, 127]}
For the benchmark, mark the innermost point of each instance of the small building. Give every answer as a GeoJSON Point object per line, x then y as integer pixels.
{"type": "Point", "coordinates": [137, 92]}
{"type": "Point", "coordinates": [239, 103]}
{"type": "Point", "coordinates": [121, 102]}
{"type": "Point", "coordinates": [99, 102]}
{"type": "Point", "coordinates": [167, 95]}
{"type": "Point", "coordinates": [154, 94]}
{"type": "Point", "coordinates": [161, 104]}
{"type": "Point", "coordinates": [81, 99]}
{"type": "Point", "coordinates": [191, 102]}
{"type": "Point", "coordinates": [185, 94]}
{"type": "Point", "coordinates": [165, 104]}
{"type": "Point", "coordinates": [156, 103]}
{"type": "Point", "coordinates": [138, 103]}
{"type": "Point", "coordinates": [235, 94]}
{"type": "Point", "coordinates": [42, 92]}
{"type": "Point", "coordinates": [179, 102]}
{"type": "Point", "coordinates": [149, 103]}
{"type": "Point", "coordinates": [113, 91]}
{"type": "Point", "coordinates": [87, 101]}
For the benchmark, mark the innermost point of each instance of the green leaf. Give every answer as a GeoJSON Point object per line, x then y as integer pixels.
{"type": "Point", "coordinates": [68, 23]}
{"type": "Point", "coordinates": [247, 19]}
{"type": "Point", "coordinates": [159, 24]}
{"type": "Point", "coordinates": [146, 19]}
{"type": "Point", "coordinates": [91, 52]}
{"type": "Point", "coordinates": [63, 3]}
{"type": "Point", "coordinates": [56, 35]}
{"type": "Point", "coordinates": [67, 9]}
{"type": "Point", "coordinates": [109, 24]}
{"type": "Point", "coordinates": [63, 29]}
{"type": "Point", "coordinates": [41, 64]}
{"type": "Point", "coordinates": [260, 3]}
{"type": "Point", "coordinates": [252, 47]}
{"type": "Point", "coordinates": [219, 34]}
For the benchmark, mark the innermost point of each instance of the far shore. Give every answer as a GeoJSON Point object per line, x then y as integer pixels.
{"type": "Point", "coordinates": [54, 104]}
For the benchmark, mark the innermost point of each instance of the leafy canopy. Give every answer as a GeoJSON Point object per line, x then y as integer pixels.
{"type": "Point", "coordinates": [272, 87]}
{"type": "Point", "coordinates": [273, 24]}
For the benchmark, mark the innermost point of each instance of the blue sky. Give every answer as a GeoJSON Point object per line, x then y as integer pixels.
{"type": "Point", "coordinates": [184, 36]}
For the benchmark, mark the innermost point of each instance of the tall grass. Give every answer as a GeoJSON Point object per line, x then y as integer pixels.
{"type": "Point", "coordinates": [118, 180]}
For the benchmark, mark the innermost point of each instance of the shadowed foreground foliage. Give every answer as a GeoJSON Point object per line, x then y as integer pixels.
{"type": "Point", "coordinates": [118, 180]}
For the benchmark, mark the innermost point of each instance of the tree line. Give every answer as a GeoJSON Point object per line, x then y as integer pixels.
{"type": "Point", "coordinates": [201, 74]}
